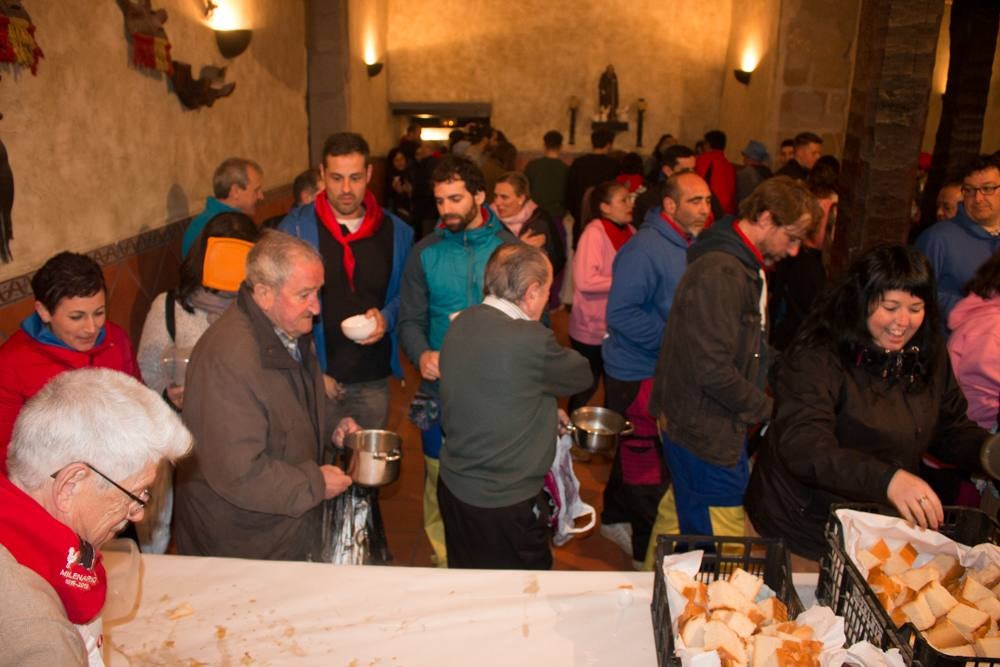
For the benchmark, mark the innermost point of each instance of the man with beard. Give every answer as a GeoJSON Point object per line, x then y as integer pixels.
{"type": "Point", "coordinates": [645, 276]}
{"type": "Point", "coordinates": [444, 275]}
{"type": "Point", "coordinates": [364, 251]}
{"type": "Point", "coordinates": [708, 388]}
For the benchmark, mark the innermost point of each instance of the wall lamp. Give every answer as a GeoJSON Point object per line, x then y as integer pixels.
{"type": "Point", "coordinates": [374, 68]}
{"type": "Point", "coordinates": [231, 42]}
{"type": "Point", "coordinates": [742, 76]}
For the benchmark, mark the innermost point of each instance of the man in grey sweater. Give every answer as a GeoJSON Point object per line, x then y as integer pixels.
{"type": "Point", "coordinates": [501, 372]}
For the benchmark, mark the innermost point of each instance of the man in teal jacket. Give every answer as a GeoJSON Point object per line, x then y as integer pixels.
{"type": "Point", "coordinates": [444, 275]}
{"type": "Point", "coordinates": [236, 185]}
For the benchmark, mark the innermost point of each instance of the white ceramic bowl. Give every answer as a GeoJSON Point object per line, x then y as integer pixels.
{"type": "Point", "coordinates": [358, 327]}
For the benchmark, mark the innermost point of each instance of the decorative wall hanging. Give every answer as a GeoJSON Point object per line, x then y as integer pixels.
{"type": "Point", "coordinates": [17, 37]}
{"type": "Point", "coordinates": [6, 205]}
{"type": "Point", "coordinates": [203, 91]}
{"type": "Point", "coordinates": [144, 27]}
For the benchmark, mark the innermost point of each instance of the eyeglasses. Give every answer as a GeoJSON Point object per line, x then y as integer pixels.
{"type": "Point", "coordinates": [138, 503]}
{"type": "Point", "coordinates": [972, 190]}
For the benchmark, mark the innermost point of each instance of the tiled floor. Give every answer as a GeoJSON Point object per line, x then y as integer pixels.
{"type": "Point", "coordinates": [402, 507]}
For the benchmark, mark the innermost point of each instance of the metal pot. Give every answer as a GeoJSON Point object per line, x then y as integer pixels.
{"type": "Point", "coordinates": [597, 429]}
{"type": "Point", "coordinates": [373, 457]}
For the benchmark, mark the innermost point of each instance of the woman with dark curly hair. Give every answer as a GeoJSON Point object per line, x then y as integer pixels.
{"type": "Point", "coordinates": [863, 392]}
{"type": "Point", "coordinates": [67, 330]}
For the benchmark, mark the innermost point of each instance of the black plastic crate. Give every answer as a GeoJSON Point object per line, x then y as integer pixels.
{"type": "Point", "coordinates": [844, 589]}
{"type": "Point", "coordinates": [766, 558]}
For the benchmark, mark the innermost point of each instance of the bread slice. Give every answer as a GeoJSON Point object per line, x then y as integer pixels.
{"type": "Point", "coordinates": [692, 632]}
{"type": "Point", "coordinates": [900, 561]}
{"type": "Point", "coordinates": [918, 613]}
{"type": "Point", "coordinates": [973, 591]}
{"type": "Point", "coordinates": [944, 635]}
{"type": "Point", "coordinates": [868, 560]}
{"type": "Point", "coordinates": [746, 583]}
{"type": "Point", "coordinates": [964, 651]}
{"type": "Point", "coordinates": [720, 637]}
{"type": "Point", "coordinates": [773, 609]}
{"type": "Point", "coordinates": [988, 647]}
{"type": "Point", "coordinates": [681, 581]}
{"type": "Point", "coordinates": [991, 606]}
{"type": "Point", "coordinates": [763, 648]}
{"type": "Point", "coordinates": [918, 577]}
{"type": "Point", "coordinates": [988, 576]}
{"type": "Point", "coordinates": [938, 599]}
{"type": "Point", "coordinates": [948, 568]}
{"type": "Point", "coordinates": [967, 618]}
{"type": "Point", "coordinates": [880, 550]}
{"type": "Point", "coordinates": [737, 622]}
{"type": "Point", "coordinates": [724, 595]}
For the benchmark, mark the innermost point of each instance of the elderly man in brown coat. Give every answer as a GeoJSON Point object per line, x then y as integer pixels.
{"type": "Point", "coordinates": [262, 423]}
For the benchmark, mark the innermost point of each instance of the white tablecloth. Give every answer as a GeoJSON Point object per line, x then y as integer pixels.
{"type": "Point", "coordinates": [248, 612]}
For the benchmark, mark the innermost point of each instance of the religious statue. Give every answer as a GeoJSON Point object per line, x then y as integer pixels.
{"type": "Point", "coordinates": [607, 94]}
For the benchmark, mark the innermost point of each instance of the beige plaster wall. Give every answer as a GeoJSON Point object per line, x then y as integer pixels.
{"type": "Point", "coordinates": [101, 151]}
{"type": "Point", "coordinates": [750, 111]}
{"type": "Point", "coordinates": [527, 59]}
{"type": "Point", "coordinates": [368, 97]}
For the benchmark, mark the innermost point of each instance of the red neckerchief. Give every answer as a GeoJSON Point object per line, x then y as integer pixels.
{"type": "Point", "coordinates": [749, 244]}
{"type": "Point", "coordinates": [483, 211]}
{"type": "Point", "coordinates": [370, 225]}
{"type": "Point", "coordinates": [52, 551]}
{"type": "Point", "coordinates": [618, 234]}
{"type": "Point", "coordinates": [686, 235]}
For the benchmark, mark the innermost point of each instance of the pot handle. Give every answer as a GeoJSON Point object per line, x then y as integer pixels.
{"type": "Point", "coordinates": [629, 429]}
{"type": "Point", "coordinates": [394, 455]}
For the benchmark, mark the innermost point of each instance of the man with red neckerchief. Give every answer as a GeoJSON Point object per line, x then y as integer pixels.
{"type": "Point", "coordinates": [711, 372]}
{"type": "Point", "coordinates": [83, 454]}
{"type": "Point", "coordinates": [645, 275]}
{"type": "Point", "coordinates": [364, 250]}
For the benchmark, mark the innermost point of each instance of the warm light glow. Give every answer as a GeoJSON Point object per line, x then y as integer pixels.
{"type": "Point", "coordinates": [750, 59]}
{"type": "Point", "coordinates": [225, 17]}
{"type": "Point", "coordinates": [370, 56]}
{"type": "Point", "coordinates": [434, 133]}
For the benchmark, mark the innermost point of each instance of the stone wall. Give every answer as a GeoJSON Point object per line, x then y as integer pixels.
{"type": "Point", "coordinates": [103, 152]}
{"type": "Point", "coordinates": [527, 59]}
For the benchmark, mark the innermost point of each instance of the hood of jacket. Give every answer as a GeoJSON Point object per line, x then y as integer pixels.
{"type": "Point", "coordinates": [973, 307]}
{"type": "Point", "coordinates": [721, 237]}
{"type": "Point", "coordinates": [40, 332]}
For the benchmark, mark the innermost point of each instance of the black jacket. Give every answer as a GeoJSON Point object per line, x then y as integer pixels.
{"type": "Point", "coordinates": [710, 375]}
{"type": "Point", "coordinates": [840, 433]}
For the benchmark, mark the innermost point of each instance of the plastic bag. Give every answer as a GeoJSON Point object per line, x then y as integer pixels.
{"type": "Point", "coordinates": [564, 488]}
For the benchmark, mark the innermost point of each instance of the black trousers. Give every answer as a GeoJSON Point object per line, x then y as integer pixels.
{"type": "Point", "coordinates": [515, 537]}
{"type": "Point", "coordinates": [592, 353]}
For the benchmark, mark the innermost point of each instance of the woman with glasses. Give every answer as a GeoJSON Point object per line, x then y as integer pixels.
{"type": "Point", "coordinates": [863, 392]}
{"type": "Point", "coordinates": [209, 280]}
{"type": "Point", "coordinates": [67, 330]}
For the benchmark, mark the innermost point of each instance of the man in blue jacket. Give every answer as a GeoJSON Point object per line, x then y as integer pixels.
{"type": "Point", "coordinates": [645, 275]}
{"type": "Point", "coordinates": [443, 276]}
{"type": "Point", "coordinates": [364, 249]}
{"type": "Point", "coordinates": [957, 247]}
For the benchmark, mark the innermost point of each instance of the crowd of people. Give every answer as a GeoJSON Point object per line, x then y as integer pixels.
{"type": "Point", "coordinates": [698, 298]}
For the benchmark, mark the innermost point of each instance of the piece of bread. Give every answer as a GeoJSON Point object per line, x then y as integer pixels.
{"type": "Point", "coordinates": [737, 622]}
{"type": "Point", "coordinates": [967, 619]}
{"type": "Point", "coordinates": [773, 609]}
{"type": "Point", "coordinates": [692, 632]}
{"type": "Point", "coordinates": [944, 635]}
{"type": "Point", "coordinates": [868, 560]}
{"type": "Point", "coordinates": [965, 651]}
{"type": "Point", "coordinates": [720, 637]}
{"type": "Point", "coordinates": [988, 576]}
{"type": "Point", "coordinates": [898, 617]}
{"type": "Point", "coordinates": [918, 613]}
{"type": "Point", "coordinates": [763, 648]}
{"type": "Point", "coordinates": [880, 550]}
{"type": "Point", "coordinates": [698, 594]}
{"type": "Point", "coordinates": [746, 583]}
{"type": "Point", "coordinates": [938, 599]}
{"type": "Point", "coordinates": [917, 577]}
{"type": "Point", "coordinates": [991, 606]}
{"type": "Point", "coordinates": [903, 592]}
{"type": "Point", "coordinates": [948, 568]}
{"type": "Point", "coordinates": [901, 561]}
{"type": "Point", "coordinates": [681, 580]}
{"type": "Point", "coordinates": [724, 595]}
{"type": "Point", "coordinates": [973, 591]}
{"type": "Point", "coordinates": [988, 647]}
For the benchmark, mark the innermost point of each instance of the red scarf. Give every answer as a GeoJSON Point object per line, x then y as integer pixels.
{"type": "Point", "coordinates": [748, 243]}
{"type": "Point", "coordinates": [618, 234]}
{"type": "Point", "coordinates": [52, 551]}
{"type": "Point", "coordinates": [686, 235]}
{"type": "Point", "coordinates": [371, 224]}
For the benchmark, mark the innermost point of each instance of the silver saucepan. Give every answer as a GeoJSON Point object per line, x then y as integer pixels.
{"type": "Point", "coordinates": [597, 429]}
{"type": "Point", "coordinates": [373, 457]}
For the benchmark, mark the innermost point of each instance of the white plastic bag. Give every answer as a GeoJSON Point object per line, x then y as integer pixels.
{"type": "Point", "coordinates": [564, 488]}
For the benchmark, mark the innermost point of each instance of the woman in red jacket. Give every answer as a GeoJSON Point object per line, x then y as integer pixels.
{"type": "Point", "coordinates": [68, 330]}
